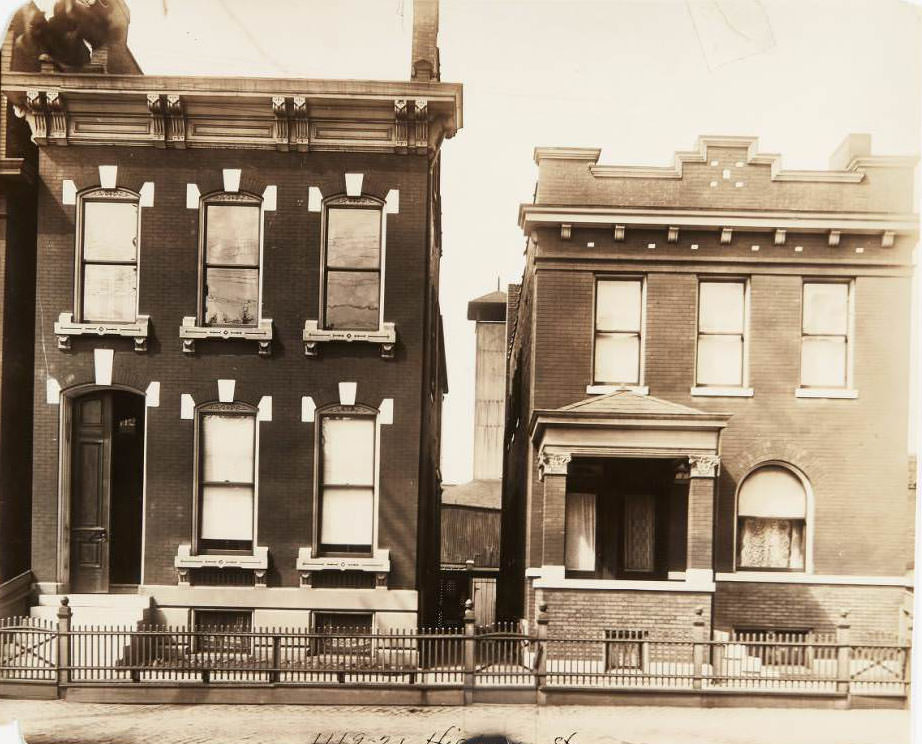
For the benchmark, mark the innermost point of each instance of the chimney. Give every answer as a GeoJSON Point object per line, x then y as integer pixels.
{"type": "Point", "coordinates": [425, 59]}
{"type": "Point", "coordinates": [853, 146]}
{"type": "Point", "coordinates": [489, 314]}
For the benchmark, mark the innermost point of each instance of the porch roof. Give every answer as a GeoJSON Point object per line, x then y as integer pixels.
{"type": "Point", "coordinates": [585, 420]}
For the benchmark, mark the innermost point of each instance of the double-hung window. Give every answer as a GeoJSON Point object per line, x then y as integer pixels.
{"type": "Point", "coordinates": [825, 339]}
{"type": "Point", "coordinates": [618, 331]}
{"type": "Point", "coordinates": [347, 483]}
{"type": "Point", "coordinates": [231, 260]}
{"type": "Point", "coordinates": [227, 477]}
{"type": "Point", "coordinates": [107, 275]}
{"type": "Point", "coordinates": [721, 334]}
{"type": "Point", "coordinates": [772, 521]}
{"type": "Point", "coordinates": [354, 231]}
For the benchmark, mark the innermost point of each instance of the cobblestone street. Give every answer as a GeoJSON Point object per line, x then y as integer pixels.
{"type": "Point", "coordinates": [57, 722]}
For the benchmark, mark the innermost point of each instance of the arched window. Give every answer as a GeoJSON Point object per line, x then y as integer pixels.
{"type": "Point", "coordinates": [772, 520]}
{"type": "Point", "coordinates": [231, 225]}
{"type": "Point", "coordinates": [107, 256]}
{"type": "Point", "coordinates": [227, 465]}
{"type": "Point", "coordinates": [353, 240]}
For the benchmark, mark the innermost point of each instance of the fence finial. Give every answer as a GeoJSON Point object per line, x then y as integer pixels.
{"type": "Point", "coordinates": [468, 611]}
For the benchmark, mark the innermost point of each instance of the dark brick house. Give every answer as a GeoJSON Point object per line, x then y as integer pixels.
{"type": "Point", "coordinates": [237, 356]}
{"type": "Point", "coordinates": [708, 393]}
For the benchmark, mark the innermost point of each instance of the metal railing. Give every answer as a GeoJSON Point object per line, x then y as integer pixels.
{"type": "Point", "coordinates": [502, 656]}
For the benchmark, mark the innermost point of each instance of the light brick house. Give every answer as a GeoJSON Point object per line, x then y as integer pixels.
{"type": "Point", "coordinates": [238, 360]}
{"type": "Point", "coordinates": [708, 393]}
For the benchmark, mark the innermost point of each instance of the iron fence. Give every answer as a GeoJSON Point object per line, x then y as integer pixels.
{"type": "Point", "coordinates": [502, 656]}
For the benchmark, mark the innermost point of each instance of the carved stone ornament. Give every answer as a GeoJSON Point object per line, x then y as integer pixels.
{"type": "Point", "coordinates": [553, 463]}
{"type": "Point", "coordinates": [704, 466]}
{"type": "Point", "coordinates": [291, 130]}
{"type": "Point", "coordinates": [57, 118]}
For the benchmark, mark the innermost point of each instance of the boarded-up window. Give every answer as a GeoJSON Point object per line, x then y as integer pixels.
{"type": "Point", "coordinates": [721, 324]}
{"type": "Point", "coordinates": [618, 320]}
{"type": "Point", "coordinates": [772, 519]}
{"type": "Point", "coordinates": [231, 271]}
{"type": "Point", "coordinates": [353, 267]}
{"type": "Point", "coordinates": [347, 483]}
{"type": "Point", "coordinates": [824, 343]}
{"type": "Point", "coordinates": [109, 261]}
{"type": "Point", "coordinates": [227, 462]}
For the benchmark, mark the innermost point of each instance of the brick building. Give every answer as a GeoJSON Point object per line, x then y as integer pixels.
{"type": "Point", "coordinates": [237, 357]}
{"type": "Point", "coordinates": [708, 384]}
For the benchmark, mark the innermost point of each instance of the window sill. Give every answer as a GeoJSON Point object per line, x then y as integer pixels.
{"type": "Point", "coordinates": [553, 577]}
{"type": "Point", "coordinates": [379, 564]}
{"type": "Point", "coordinates": [313, 335]}
{"type": "Point", "coordinates": [258, 562]}
{"type": "Point", "coordinates": [189, 332]}
{"type": "Point", "coordinates": [722, 392]}
{"type": "Point", "coordinates": [604, 389]}
{"type": "Point", "coordinates": [66, 326]}
{"type": "Point", "coordinates": [825, 393]}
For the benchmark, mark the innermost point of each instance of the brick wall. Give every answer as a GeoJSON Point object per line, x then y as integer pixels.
{"type": "Point", "coordinates": [853, 452]}
{"type": "Point", "coordinates": [168, 281]}
{"type": "Point", "coordinates": [814, 607]}
{"type": "Point", "coordinates": [592, 612]}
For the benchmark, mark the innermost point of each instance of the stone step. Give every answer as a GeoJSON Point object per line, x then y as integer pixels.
{"type": "Point", "coordinates": [110, 601]}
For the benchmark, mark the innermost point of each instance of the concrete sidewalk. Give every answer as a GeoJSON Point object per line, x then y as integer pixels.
{"type": "Point", "coordinates": [58, 722]}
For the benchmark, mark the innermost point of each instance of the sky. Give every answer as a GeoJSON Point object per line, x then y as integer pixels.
{"type": "Point", "coordinates": [639, 79]}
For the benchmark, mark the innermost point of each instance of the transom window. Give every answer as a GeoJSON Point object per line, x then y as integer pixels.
{"type": "Point", "coordinates": [772, 520]}
{"type": "Point", "coordinates": [618, 323]}
{"type": "Point", "coordinates": [227, 475]}
{"type": "Point", "coordinates": [231, 260]}
{"type": "Point", "coordinates": [347, 483]}
{"type": "Point", "coordinates": [352, 264]}
{"type": "Point", "coordinates": [825, 339]}
{"type": "Point", "coordinates": [107, 275]}
{"type": "Point", "coordinates": [721, 333]}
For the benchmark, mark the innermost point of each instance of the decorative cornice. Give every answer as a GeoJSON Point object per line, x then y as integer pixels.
{"type": "Point", "coordinates": [867, 223]}
{"type": "Point", "coordinates": [589, 154]}
{"type": "Point", "coordinates": [252, 113]}
{"type": "Point", "coordinates": [704, 466]}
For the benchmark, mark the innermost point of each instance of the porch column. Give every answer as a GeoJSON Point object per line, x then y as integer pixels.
{"type": "Point", "coordinates": [552, 469]}
{"type": "Point", "coordinates": [700, 536]}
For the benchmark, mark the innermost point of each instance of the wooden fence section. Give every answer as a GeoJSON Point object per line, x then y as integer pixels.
{"type": "Point", "coordinates": [470, 659]}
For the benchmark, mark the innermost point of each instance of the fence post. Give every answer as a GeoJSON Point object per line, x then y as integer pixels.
{"type": "Point", "coordinates": [65, 613]}
{"type": "Point", "coordinates": [699, 639]}
{"type": "Point", "coordinates": [275, 675]}
{"type": "Point", "coordinates": [540, 663]}
{"type": "Point", "coordinates": [469, 655]}
{"type": "Point", "coordinates": [843, 654]}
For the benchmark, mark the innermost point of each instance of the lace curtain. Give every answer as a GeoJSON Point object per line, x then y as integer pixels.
{"type": "Point", "coordinates": [771, 543]}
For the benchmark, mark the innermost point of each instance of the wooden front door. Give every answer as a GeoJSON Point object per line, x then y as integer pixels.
{"type": "Point", "coordinates": [90, 493]}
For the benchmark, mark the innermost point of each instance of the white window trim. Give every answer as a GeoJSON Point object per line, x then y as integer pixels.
{"type": "Point", "coordinates": [639, 387]}
{"type": "Point", "coordinates": [809, 517]}
{"type": "Point", "coordinates": [196, 553]}
{"type": "Point", "coordinates": [724, 391]}
{"type": "Point", "coordinates": [71, 323]}
{"type": "Point", "coordinates": [847, 391]}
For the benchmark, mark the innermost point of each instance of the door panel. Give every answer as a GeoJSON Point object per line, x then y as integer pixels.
{"type": "Point", "coordinates": [90, 483]}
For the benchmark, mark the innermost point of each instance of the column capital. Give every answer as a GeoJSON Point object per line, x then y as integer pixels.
{"type": "Point", "coordinates": [553, 463]}
{"type": "Point", "coordinates": [704, 466]}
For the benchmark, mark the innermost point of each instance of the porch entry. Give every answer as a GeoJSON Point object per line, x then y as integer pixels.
{"type": "Point", "coordinates": [106, 486]}
{"type": "Point", "coordinates": [619, 516]}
